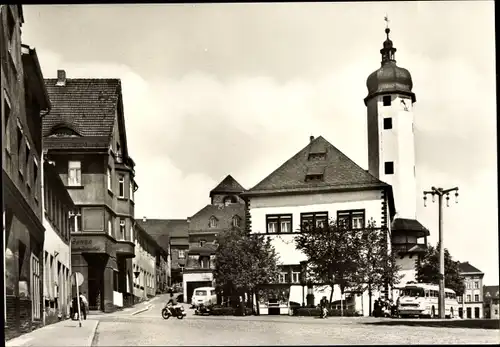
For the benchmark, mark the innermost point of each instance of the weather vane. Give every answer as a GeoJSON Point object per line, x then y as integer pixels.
{"type": "Point", "coordinates": [386, 18]}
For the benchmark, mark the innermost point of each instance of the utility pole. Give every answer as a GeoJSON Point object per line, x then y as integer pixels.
{"type": "Point", "coordinates": [440, 192]}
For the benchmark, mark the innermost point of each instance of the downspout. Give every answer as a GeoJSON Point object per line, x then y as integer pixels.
{"type": "Point", "coordinates": [42, 198]}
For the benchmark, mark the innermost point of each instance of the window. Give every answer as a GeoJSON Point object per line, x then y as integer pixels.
{"type": "Point", "coordinates": [295, 277]}
{"type": "Point", "coordinates": [74, 173]}
{"type": "Point", "coordinates": [35, 283]}
{"type": "Point", "coordinates": [353, 219]}
{"type": "Point", "coordinates": [476, 285]}
{"type": "Point", "coordinates": [75, 220]}
{"type": "Point", "coordinates": [389, 167]}
{"type": "Point", "coordinates": [202, 242]}
{"type": "Point", "coordinates": [131, 190]}
{"type": "Point", "coordinates": [122, 229]}
{"type": "Point", "coordinates": [388, 123]}
{"type": "Point", "coordinates": [182, 254]}
{"type": "Point", "coordinates": [386, 100]}
{"type": "Point", "coordinates": [459, 299]}
{"type": "Point", "coordinates": [35, 176]}
{"type": "Point", "coordinates": [121, 186]}
{"type": "Point", "coordinates": [236, 221]}
{"type": "Point", "coordinates": [467, 285]}
{"type": "Point", "coordinates": [468, 298]}
{"type": "Point", "coordinates": [132, 234]}
{"type": "Point", "coordinates": [279, 223]}
{"type": "Point", "coordinates": [310, 221]}
{"type": "Point", "coordinates": [316, 156]}
{"type": "Point", "coordinates": [19, 143]}
{"type": "Point", "coordinates": [7, 111]}
{"type": "Point", "coordinates": [476, 297]}
{"type": "Point", "coordinates": [212, 222]}
{"type": "Point", "coordinates": [27, 154]}
{"type": "Point", "coordinates": [283, 277]}
{"type": "Point", "coordinates": [314, 177]}
{"type": "Point", "coordinates": [110, 187]}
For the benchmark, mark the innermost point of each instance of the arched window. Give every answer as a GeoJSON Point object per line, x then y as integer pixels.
{"type": "Point", "coordinates": [212, 222]}
{"type": "Point", "coordinates": [236, 221]}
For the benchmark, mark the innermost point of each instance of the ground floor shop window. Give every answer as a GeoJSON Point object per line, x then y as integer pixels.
{"type": "Point", "coordinates": [35, 282]}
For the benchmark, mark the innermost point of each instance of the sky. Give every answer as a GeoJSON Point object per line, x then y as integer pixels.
{"type": "Point", "coordinates": [217, 89]}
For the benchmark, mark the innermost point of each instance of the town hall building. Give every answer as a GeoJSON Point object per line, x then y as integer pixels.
{"type": "Point", "coordinates": [320, 183]}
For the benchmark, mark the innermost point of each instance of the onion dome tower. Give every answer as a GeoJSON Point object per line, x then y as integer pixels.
{"type": "Point", "coordinates": [391, 153]}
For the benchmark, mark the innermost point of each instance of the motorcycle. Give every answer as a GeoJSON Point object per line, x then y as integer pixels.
{"type": "Point", "coordinates": [175, 311]}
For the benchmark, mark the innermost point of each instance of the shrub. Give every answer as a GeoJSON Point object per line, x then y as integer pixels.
{"type": "Point", "coordinates": [315, 312]}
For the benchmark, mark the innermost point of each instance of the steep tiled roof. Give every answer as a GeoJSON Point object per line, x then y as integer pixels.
{"type": "Point", "coordinates": [465, 267]}
{"type": "Point", "coordinates": [164, 230]}
{"type": "Point", "coordinates": [339, 172]}
{"type": "Point", "coordinates": [403, 224]}
{"type": "Point", "coordinates": [490, 292]}
{"type": "Point", "coordinates": [228, 185]}
{"type": "Point", "coordinates": [85, 105]}
{"type": "Point", "coordinates": [224, 215]}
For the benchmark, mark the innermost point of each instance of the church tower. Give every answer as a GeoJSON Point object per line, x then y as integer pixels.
{"type": "Point", "coordinates": [391, 152]}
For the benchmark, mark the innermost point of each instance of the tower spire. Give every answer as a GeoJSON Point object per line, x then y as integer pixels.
{"type": "Point", "coordinates": [388, 50]}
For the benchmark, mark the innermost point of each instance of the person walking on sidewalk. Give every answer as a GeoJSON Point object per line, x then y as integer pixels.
{"type": "Point", "coordinates": [85, 306]}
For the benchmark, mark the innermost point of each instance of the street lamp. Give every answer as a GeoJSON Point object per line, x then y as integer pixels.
{"type": "Point", "coordinates": [440, 192]}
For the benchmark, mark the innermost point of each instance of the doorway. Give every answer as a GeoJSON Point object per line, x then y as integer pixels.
{"type": "Point", "coordinates": [191, 286]}
{"type": "Point", "coordinates": [469, 312]}
{"type": "Point", "coordinates": [96, 285]}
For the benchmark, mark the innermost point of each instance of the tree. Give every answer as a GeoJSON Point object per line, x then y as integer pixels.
{"type": "Point", "coordinates": [333, 257]}
{"type": "Point", "coordinates": [428, 270]}
{"type": "Point", "coordinates": [377, 264]}
{"type": "Point", "coordinates": [243, 261]}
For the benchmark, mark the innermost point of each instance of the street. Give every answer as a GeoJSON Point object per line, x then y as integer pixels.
{"type": "Point", "coordinates": [148, 328]}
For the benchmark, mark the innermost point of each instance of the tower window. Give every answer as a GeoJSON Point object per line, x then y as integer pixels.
{"type": "Point", "coordinates": [388, 123]}
{"type": "Point", "coordinates": [389, 167]}
{"type": "Point", "coordinates": [386, 100]}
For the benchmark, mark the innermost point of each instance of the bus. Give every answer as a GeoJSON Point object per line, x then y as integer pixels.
{"type": "Point", "coordinates": [421, 299]}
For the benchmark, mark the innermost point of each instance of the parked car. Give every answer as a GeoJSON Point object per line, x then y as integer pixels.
{"type": "Point", "coordinates": [204, 296]}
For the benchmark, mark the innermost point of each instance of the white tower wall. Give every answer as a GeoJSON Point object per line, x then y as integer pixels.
{"type": "Point", "coordinates": [395, 145]}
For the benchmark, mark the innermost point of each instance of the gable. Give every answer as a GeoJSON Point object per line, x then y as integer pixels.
{"type": "Point", "coordinates": [222, 214]}
{"type": "Point", "coordinates": [318, 166]}
{"type": "Point", "coordinates": [227, 185]}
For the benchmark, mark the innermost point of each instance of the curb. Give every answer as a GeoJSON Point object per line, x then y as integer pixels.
{"type": "Point", "coordinates": [93, 335]}
{"type": "Point", "coordinates": [141, 310]}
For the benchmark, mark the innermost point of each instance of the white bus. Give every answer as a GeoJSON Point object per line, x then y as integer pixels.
{"type": "Point", "coordinates": [421, 299]}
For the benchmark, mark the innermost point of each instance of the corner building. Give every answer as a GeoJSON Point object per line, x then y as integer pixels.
{"type": "Point", "coordinates": [23, 101]}
{"type": "Point", "coordinates": [85, 137]}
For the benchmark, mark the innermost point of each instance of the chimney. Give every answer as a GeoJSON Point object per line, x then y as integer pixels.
{"type": "Point", "coordinates": [144, 219]}
{"type": "Point", "coordinates": [311, 138]}
{"type": "Point", "coordinates": [61, 78]}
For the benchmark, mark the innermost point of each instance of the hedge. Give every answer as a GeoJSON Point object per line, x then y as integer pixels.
{"type": "Point", "coordinates": [229, 311]}
{"type": "Point", "coordinates": [315, 312]}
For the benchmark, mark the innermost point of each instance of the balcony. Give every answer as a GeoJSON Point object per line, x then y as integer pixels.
{"type": "Point", "coordinates": [125, 249]}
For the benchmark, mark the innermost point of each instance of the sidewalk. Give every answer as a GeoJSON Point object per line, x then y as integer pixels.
{"type": "Point", "coordinates": [65, 333]}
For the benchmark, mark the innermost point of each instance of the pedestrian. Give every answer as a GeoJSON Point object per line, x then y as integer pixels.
{"type": "Point", "coordinates": [85, 306]}
{"type": "Point", "coordinates": [323, 304]}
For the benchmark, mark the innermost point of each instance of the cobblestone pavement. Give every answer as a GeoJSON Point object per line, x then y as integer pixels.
{"type": "Point", "coordinates": [148, 328]}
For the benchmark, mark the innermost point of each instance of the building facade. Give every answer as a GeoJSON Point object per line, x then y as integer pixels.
{"type": "Point", "coordinates": [179, 245]}
{"type": "Point", "coordinates": [491, 302]}
{"type": "Point", "coordinates": [57, 206]}
{"type": "Point", "coordinates": [316, 185]}
{"type": "Point", "coordinates": [391, 154]}
{"type": "Point", "coordinates": [85, 136]}
{"type": "Point", "coordinates": [144, 265]}
{"type": "Point", "coordinates": [23, 99]}
{"type": "Point", "coordinates": [472, 300]}
{"type": "Point", "coordinates": [158, 229]}
{"type": "Point", "coordinates": [226, 211]}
